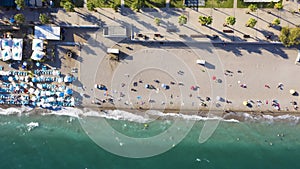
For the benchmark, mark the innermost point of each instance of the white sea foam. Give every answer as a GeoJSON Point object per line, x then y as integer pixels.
{"type": "Point", "coordinates": [124, 115]}
{"type": "Point", "coordinates": [32, 125]}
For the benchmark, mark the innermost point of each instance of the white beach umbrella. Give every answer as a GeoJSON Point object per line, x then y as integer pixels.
{"type": "Point", "coordinates": [26, 78]}
{"type": "Point", "coordinates": [33, 98]}
{"type": "Point", "coordinates": [40, 86]}
{"type": "Point", "coordinates": [10, 79]}
{"type": "Point", "coordinates": [48, 93]}
{"type": "Point", "coordinates": [60, 80]}
{"type": "Point", "coordinates": [43, 93]}
{"type": "Point", "coordinates": [37, 92]}
{"type": "Point", "coordinates": [31, 90]}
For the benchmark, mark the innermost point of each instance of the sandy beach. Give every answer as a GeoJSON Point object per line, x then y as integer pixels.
{"type": "Point", "coordinates": [232, 74]}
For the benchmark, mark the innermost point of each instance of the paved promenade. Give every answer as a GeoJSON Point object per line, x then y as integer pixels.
{"type": "Point", "coordinates": [143, 22]}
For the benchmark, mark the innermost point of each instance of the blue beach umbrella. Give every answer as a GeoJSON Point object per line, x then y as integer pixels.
{"type": "Point", "coordinates": [69, 91]}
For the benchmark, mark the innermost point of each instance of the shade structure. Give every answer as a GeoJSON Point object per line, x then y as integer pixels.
{"type": "Point", "coordinates": [6, 43]}
{"type": "Point", "coordinates": [37, 44]}
{"type": "Point", "coordinates": [245, 103]}
{"type": "Point", "coordinates": [17, 43]}
{"type": "Point", "coordinates": [37, 55]}
{"type": "Point", "coordinates": [6, 54]}
{"type": "Point", "coordinates": [17, 54]}
{"type": "Point", "coordinates": [47, 32]}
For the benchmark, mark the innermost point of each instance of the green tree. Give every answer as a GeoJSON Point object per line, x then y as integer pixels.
{"type": "Point", "coordinates": [182, 19]}
{"type": "Point", "coordinates": [19, 18]}
{"type": "Point", "coordinates": [209, 20]}
{"type": "Point", "coordinates": [157, 21]}
{"type": "Point", "coordinates": [230, 20]}
{"type": "Point", "coordinates": [290, 36]}
{"type": "Point", "coordinates": [20, 3]}
{"type": "Point", "coordinates": [252, 7]}
{"type": "Point", "coordinates": [90, 6]}
{"type": "Point", "coordinates": [44, 19]}
{"type": "Point", "coordinates": [115, 5]}
{"type": "Point", "coordinates": [251, 22]}
{"type": "Point", "coordinates": [137, 5]}
{"type": "Point", "coordinates": [205, 20]}
{"type": "Point", "coordinates": [68, 6]}
{"type": "Point", "coordinates": [284, 34]}
{"type": "Point", "coordinates": [276, 22]}
{"type": "Point", "coordinates": [278, 6]}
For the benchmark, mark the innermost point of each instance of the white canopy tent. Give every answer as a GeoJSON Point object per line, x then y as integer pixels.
{"type": "Point", "coordinates": [37, 55]}
{"type": "Point", "coordinates": [6, 43]}
{"type": "Point", "coordinates": [47, 32]}
{"type": "Point", "coordinates": [17, 54]}
{"type": "Point", "coordinates": [37, 44]}
{"type": "Point", "coordinates": [6, 54]}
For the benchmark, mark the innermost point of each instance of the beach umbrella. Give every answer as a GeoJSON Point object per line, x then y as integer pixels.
{"type": "Point", "coordinates": [245, 103]}
{"type": "Point", "coordinates": [33, 98]}
{"type": "Point", "coordinates": [36, 92]}
{"type": "Point", "coordinates": [16, 77]}
{"type": "Point", "coordinates": [292, 91]}
{"type": "Point", "coordinates": [30, 84]}
{"type": "Point", "coordinates": [43, 93]}
{"type": "Point", "coordinates": [31, 90]}
{"type": "Point", "coordinates": [68, 91]}
{"type": "Point", "coordinates": [60, 99]}
{"type": "Point", "coordinates": [10, 79]}
{"type": "Point", "coordinates": [26, 78]}
{"type": "Point", "coordinates": [68, 79]}
{"type": "Point", "coordinates": [48, 93]}
{"type": "Point", "coordinates": [34, 80]}
{"type": "Point", "coordinates": [146, 86]}
{"type": "Point", "coordinates": [60, 80]}
{"type": "Point", "coordinates": [39, 86]}
{"type": "Point", "coordinates": [11, 88]}
{"type": "Point", "coordinates": [22, 78]}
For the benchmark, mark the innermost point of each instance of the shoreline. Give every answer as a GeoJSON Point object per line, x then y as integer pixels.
{"type": "Point", "coordinates": [228, 115]}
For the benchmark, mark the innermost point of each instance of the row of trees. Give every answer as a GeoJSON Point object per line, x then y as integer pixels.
{"type": "Point", "coordinates": [20, 18]}
{"type": "Point", "coordinates": [253, 7]}
{"type": "Point", "coordinates": [66, 4]}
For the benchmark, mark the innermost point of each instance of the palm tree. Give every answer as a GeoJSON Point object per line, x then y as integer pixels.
{"type": "Point", "coordinates": [252, 7]}
{"type": "Point", "coordinates": [182, 19]}
{"type": "Point", "coordinates": [276, 22]}
{"type": "Point", "coordinates": [19, 18]}
{"type": "Point", "coordinates": [251, 22]}
{"type": "Point", "coordinates": [20, 3]}
{"type": "Point", "coordinates": [230, 20]}
{"type": "Point", "coordinates": [44, 19]}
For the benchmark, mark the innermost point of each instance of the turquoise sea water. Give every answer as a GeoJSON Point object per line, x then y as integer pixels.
{"type": "Point", "coordinates": [57, 143]}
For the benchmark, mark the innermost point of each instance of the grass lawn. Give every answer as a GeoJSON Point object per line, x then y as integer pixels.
{"type": "Point", "coordinates": [148, 3]}
{"type": "Point", "coordinates": [176, 4]}
{"type": "Point", "coordinates": [218, 4]}
{"type": "Point", "coordinates": [242, 4]}
{"type": "Point", "coordinates": [104, 3]}
{"type": "Point", "coordinates": [155, 3]}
